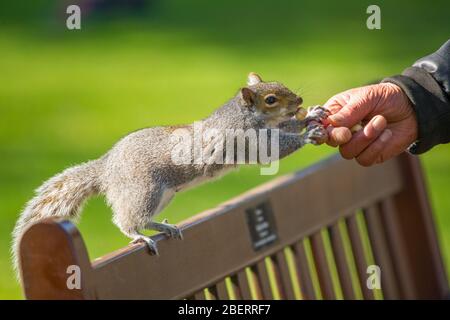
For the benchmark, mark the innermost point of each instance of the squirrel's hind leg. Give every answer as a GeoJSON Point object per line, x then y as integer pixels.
{"type": "Point", "coordinates": [170, 230]}
{"type": "Point", "coordinates": [133, 211]}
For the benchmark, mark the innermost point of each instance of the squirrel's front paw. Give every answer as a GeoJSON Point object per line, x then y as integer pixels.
{"type": "Point", "coordinates": [317, 113]}
{"type": "Point", "coordinates": [315, 134]}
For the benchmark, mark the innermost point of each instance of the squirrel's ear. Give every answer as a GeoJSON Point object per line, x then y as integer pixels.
{"type": "Point", "coordinates": [248, 96]}
{"type": "Point", "coordinates": [253, 79]}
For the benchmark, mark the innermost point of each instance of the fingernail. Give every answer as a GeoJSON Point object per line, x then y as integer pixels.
{"type": "Point", "coordinates": [378, 123]}
{"type": "Point", "coordinates": [386, 135]}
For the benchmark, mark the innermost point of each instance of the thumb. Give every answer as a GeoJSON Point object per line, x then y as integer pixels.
{"type": "Point", "coordinates": [351, 114]}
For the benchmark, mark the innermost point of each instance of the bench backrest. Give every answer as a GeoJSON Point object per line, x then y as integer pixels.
{"type": "Point", "coordinates": [311, 234]}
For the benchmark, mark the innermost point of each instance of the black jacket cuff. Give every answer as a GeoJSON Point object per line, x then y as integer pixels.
{"type": "Point", "coordinates": [430, 104]}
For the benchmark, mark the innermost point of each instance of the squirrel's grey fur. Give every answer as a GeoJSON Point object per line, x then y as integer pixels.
{"type": "Point", "coordinates": [138, 177]}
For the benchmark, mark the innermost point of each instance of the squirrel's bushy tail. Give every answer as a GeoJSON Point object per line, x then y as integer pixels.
{"type": "Point", "coordinates": [61, 196]}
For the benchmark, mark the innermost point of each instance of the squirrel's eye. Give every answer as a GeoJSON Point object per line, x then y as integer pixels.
{"type": "Point", "coordinates": [270, 99]}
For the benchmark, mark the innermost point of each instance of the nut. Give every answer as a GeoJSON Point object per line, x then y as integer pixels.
{"type": "Point", "coordinates": [356, 128]}
{"type": "Point", "coordinates": [301, 114]}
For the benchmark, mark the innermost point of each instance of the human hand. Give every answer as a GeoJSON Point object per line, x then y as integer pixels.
{"type": "Point", "coordinates": [389, 121]}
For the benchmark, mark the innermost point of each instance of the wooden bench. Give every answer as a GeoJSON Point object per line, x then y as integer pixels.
{"type": "Point", "coordinates": [307, 235]}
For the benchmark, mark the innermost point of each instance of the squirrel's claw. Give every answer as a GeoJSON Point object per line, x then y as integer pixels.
{"type": "Point", "coordinates": [173, 232]}
{"type": "Point", "coordinates": [170, 230]}
{"type": "Point", "coordinates": [151, 244]}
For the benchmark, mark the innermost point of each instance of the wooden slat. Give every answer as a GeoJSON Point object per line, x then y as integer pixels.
{"type": "Point", "coordinates": [263, 275]}
{"type": "Point", "coordinates": [301, 262]}
{"type": "Point", "coordinates": [213, 295]}
{"type": "Point", "coordinates": [244, 286]}
{"type": "Point", "coordinates": [382, 253]}
{"type": "Point", "coordinates": [222, 292]}
{"type": "Point", "coordinates": [358, 253]}
{"type": "Point", "coordinates": [337, 244]}
{"type": "Point", "coordinates": [323, 271]}
{"type": "Point", "coordinates": [278, 282]}
{"type": "Point", "coordinates": [235, 287]}
{"type": "Point", "coordinates": [253, 277]}
{"type": "Point", "coordinates": [286, 280]}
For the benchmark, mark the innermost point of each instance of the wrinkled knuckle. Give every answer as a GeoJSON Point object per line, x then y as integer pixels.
{"type": "Point", "coordinates": [373, 93]}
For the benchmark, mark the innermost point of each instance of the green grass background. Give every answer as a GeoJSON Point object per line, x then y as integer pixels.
{"type": "Point", "coordinates": [67, 96]}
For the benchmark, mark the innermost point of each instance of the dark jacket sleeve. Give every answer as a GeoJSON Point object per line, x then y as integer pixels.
{"type": "Point", "coordinates": [427, 85]}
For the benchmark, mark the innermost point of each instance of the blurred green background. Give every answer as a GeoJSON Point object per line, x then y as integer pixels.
{"type": "Point", "coordinates": [68, 96]}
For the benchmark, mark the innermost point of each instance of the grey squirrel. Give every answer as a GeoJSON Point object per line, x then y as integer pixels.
{"type": "Point", "coordinates": [139, 178]}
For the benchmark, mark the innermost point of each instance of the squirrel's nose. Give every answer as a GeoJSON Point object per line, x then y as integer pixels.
{"type": "Point", "coordinates": [299, 100]}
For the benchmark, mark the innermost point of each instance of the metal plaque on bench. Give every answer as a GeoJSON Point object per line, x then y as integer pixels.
{"type": "Point", "coordinates": [261, 224]}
